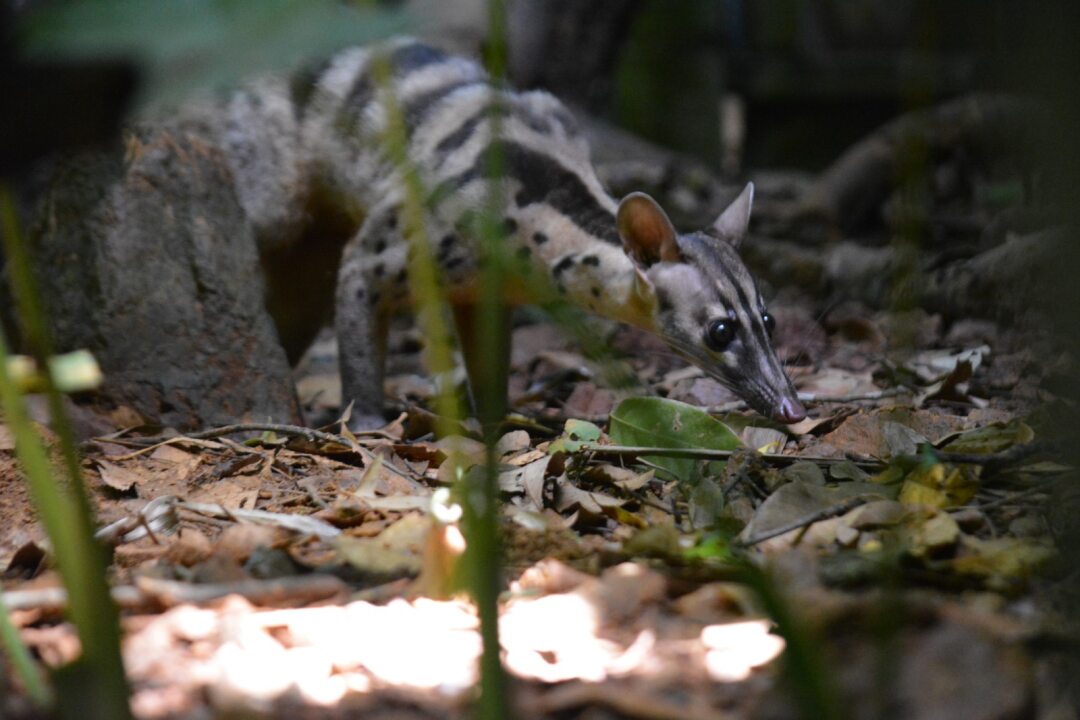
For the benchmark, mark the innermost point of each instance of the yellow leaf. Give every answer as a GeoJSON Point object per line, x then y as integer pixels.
{"type": "Point", "coordinates": [938, 486]}
{"type": "Point", "coordinates": [1002, 562]}
{"type": "Point", "coordinates": [939, 532]}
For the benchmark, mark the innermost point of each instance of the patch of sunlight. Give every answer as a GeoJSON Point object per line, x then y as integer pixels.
{"type": "Point", "coordinates": [735, 649]}
{"type": "Point", "coordinates": [554, 638]}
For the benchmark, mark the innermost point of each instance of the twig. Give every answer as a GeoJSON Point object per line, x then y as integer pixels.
{"type": "Point", "coordinates": [150, 594]}
{"type": "Point", "coordinates": [808, 520]}
{"type": "Point", "coordinates": [1005, 457]}
{"type": "Point", "coordinates": [1005, 500]}
{"type": "Point", "coordinates": [861, 397]}
{"type": "Point", "coordinates": [811, 399]}
{"type": "Point", "coordinates": [706, 454]}
{"type": "Point", "coordinates": [293, 430]}
{"type": "Point", "coordinates": [659, 469]}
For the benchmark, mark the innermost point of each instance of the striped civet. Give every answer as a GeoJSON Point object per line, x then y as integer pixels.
{"type": "Point", "coordinates": [621, 260]}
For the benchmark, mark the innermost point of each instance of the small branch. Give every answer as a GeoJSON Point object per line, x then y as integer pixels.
{"type": "Point", "coordinates": [811, 399]}
{"type": "Point", "coordinates": [705, 454]}
{"type": "Point", "coordinates": [1006, 457]}
{"type": "Point", "coordinates": [151, 594]}
{"type": "Point", "coordinates": [291, 430]}
{"type": "Point", "coordinates": [808, 520]}
{"type": "Point", "coordinates": [862, 397]}
{"type": "Point", "coordinates": [1007, 499]}
{"type": "Point", "coordinates": [659, 469]}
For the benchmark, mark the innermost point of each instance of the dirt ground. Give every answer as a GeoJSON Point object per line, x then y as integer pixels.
{"type": "Point", "coordinates": [897, 548]}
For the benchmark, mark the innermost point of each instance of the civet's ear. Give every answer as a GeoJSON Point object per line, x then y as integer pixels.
{"type": "Point", "coordinates": [647, 234]}
{"type": "Point", "coordinates": [735, 220]}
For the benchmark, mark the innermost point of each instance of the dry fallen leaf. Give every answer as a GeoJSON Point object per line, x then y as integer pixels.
{"type": "Point", "coordinates": [395, 552]}
{"type": "Point", "coordinates": [512, 442]}
{"type": "Point", "coordinates": [117, 477]}
{"type": "Point", "coordinates": [518, 480]}
{"type": "Point", "coordinates": [570, 496]}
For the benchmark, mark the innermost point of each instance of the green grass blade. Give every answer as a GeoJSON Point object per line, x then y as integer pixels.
{"type": "Point", "coordinates": [482, 499]}
{"type": "Point", "coordinates": [21, 660]}
{"type": "Point", "coordinates": [61, 502]}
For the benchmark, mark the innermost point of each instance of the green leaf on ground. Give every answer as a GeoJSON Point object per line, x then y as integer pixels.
{"type": "Point", "coordinates": [575, 434]}
{"type": "Point", "coordinates": [658, 422]}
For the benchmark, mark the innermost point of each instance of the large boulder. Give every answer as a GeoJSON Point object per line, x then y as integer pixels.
{"type": "Point", "coordinates": [147, 259]}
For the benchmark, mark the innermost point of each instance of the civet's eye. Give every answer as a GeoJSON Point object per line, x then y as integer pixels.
{"type": "Point", "coordinates": [719, 333]}
{"type": "Point", "coordinates": [770, 322]}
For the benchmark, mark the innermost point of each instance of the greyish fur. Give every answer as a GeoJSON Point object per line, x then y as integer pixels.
{"type": "Point", "coordinates": [315, 144]}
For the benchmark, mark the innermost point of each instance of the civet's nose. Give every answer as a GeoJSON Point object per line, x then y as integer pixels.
{"type": "Point", "coordinates": [790, 411]}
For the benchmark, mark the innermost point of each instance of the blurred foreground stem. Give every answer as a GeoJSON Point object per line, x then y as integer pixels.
{"type": "Point", "coordinates": [99, 688]}
{"type": "Point", "coordinates": [484, 556]}
{"type": "Point", "coordinates": [480, 574]}
{"type": "Point", "coordinates": [804, 664]}
{"type": "Point", "coordinates": [20, 658]}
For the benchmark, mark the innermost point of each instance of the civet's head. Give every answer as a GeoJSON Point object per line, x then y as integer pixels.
{"type": "Point", "coordinates": [704, 302]}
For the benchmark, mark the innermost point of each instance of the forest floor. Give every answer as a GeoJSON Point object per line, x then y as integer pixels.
{"type": "Point", "coordinates": [896, 551]}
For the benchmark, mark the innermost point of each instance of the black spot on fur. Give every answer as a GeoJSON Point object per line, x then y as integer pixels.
{"type": "Point", "coordinates": [454, 262]}
{"type": "Point", "coordinates": [446, 246]}
{"type": "Point", "coordinates": [590, 260]}
{"type": "Point", "coordinates": [360, 293]}
{"type": "Point", "coordinates": [567, 121]}
{"type": "Point", "coordinates": [509, 226]}
{"type": "Point", "coordinates": [536, 122]}
{"type": "Point", "coordinates": [359, 95]}
{"type": "Point", "coordinates": [380, 245]}
{"type": "Point", "coordinates": [303, 84]}
{"type": "Point", "coordinates": [544, 179]}
{"type": "Point", "coordinates": [664, 300]}
{"type": "Point", "coordinates": [468, 224]}
{"type": "Point", "coordinates": [563, 265]}
{"type": "Point", "coordinates": [540, 238]}
{"type": "Point", "coordinates": [391, 221]}
{"type": "Point", "coordinates": [380, 269]}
